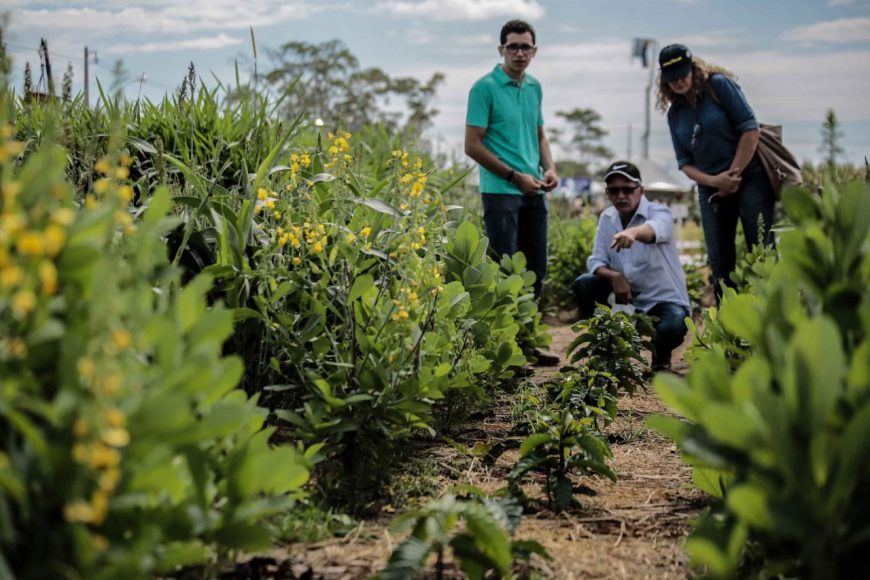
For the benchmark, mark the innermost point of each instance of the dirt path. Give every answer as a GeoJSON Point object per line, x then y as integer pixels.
{"type": "Point", "coordinates": [631, 529]}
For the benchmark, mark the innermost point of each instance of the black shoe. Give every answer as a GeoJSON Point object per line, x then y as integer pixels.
{"type": "Point", "coordinates": [658, 367]}
{"type": "Point", "coordinates": [543, 358]}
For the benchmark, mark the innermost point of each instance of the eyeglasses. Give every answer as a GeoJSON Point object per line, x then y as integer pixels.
{"type": "Point", "coordinates": [515, 48]}
{"type": "Point", "coordinates": [624, 190]}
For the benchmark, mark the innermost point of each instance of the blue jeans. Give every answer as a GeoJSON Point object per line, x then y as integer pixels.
{"type": "Point", "coordinates": [518, 223]}
{"type": "Point", "coordinates": [671, 329]}
{"type": "Point", "coordinates": [719, 217]}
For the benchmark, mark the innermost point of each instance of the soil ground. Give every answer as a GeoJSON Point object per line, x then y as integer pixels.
{"type": "Point", "coordinates": [633, 528]}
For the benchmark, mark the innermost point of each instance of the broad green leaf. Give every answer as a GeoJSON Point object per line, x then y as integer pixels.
{"type": "Point", "coordinates": [749, 502]}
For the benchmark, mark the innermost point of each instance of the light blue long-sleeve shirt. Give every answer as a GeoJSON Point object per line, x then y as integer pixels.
{"type": "Point", "coordinates": [653, 270]}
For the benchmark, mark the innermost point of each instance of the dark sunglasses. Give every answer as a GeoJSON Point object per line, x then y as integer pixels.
{"type": "Point", "coordinates": [515, 48]}
{"type": "Point", "coordinates": [625, 190]}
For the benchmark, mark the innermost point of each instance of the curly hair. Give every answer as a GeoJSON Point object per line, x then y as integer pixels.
{"type": "Point", "coordinates": [701, 72]}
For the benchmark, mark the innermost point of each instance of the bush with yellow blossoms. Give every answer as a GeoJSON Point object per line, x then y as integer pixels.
{"type": "Point", "coordinates": [126, 450]}
{"type": "Point", "coordinates": [361, 320]}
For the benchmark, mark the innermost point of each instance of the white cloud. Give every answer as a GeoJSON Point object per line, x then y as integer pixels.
{"type": "Point", "coordinates": [842, 30]}
{"type": "Point", "coordinates": [463, 9]}
{"type": "Point", "coordinates": [201, 43]}
{"type": "Point", "coordinates": [138, 17]}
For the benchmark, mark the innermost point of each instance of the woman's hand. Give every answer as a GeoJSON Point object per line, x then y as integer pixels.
{"type": "Point", "coordinates": [726, 183]}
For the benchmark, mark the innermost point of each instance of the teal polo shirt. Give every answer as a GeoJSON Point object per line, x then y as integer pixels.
{"type": "Point", "coordinates": [511, 114]}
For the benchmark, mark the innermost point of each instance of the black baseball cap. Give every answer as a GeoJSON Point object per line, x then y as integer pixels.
{"type": "Point", "coordinates": [675, 62]}
{"type": "Point", "coordinates": [623, 168]}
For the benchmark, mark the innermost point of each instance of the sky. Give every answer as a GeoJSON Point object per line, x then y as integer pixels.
{"type": "Point", "coordinates": [794, 59]}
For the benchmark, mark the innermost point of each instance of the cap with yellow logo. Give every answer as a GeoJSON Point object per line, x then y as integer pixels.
{"type": "Point", "coordinates": [675, 62]}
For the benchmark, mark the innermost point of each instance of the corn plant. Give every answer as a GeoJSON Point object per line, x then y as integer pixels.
{"type": "Point", "coordinates": [782, 440]}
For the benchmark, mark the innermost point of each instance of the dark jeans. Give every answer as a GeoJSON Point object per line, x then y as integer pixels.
{"type": "Point", "coordinates": [518, 223]}
{"type": "Point", "coordinates": [670, 326]}
{"type": "Point", "coordinates": [719, 217]}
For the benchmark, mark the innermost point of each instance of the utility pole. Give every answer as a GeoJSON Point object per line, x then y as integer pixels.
{"type": "Point", "coordinates": [87, 74]}
{"type": "Point", "coordinates": [43, 46]}
{"type": "Point", "coordinates": [645, 49]}
{"type": "Point", "coordinates": [87, 93]}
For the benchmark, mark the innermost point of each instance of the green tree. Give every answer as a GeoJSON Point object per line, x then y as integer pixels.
{"type": "Point", "coordinates": [587, 133]}
{"type": "Point", "coordinates": [326, 81]}
{"type": "Point", "coordinates": [831, 135]}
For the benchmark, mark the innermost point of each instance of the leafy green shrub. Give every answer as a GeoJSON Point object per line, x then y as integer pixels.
{"type": "Point", "coordinates": [561, 445]}
{"type": "Point", "coordinates": [610, 343]}
{"type": "Point", "coordinates": [481, 547]}
{"type": "Point", "coordinates": [570, 243]}
{"type": "Point", "coordinates": [126, 449]}
{"type": "Point", "coordinates": [783, 441]}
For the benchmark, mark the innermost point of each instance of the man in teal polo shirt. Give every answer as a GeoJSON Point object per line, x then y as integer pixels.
{"type": "Point", "coordinates": [504, 133]}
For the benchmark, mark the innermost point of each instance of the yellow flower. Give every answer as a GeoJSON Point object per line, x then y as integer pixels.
{"type": "Point", "coordinates": [80, 427]}
{"type": "Point", "coordinates": [55, 238]}
{"type": "Point", "coordinates": [412, 296]}
{"type": "Point", "coordinates": [110, 383]}
{"type": "Point", "coordinates": [11, 189]}
{"type": "Point", "coordinates": [297, 260]}
{"type": "Point", "coordinates": [333, 150]}
{"type": "Point", "coordinates": [122, 339]}
{"type": "Point", "coordinates": [305, 160]}
{"type": "Point", "coordinates": [23, 302]}
{"type": "Point", "coordinates": [63, 216]}
{"type": "Point", "coordinates": [16, 348]}
{"type": "Point", "coordinates": [100, 505]}
{"type": "Point", "coordinates": [365, 232]}
{"type": "Point", "coordinates": [102, 166]}
{"type": "Point", "coordinates": [90, 202]}
{"type": "Point", "coordinates": [116, 437]}
{"type": "Point", "coordinates": [262, 194]}
{"type": "Point", "coordinates": [30, 244]}
{"type": "Point", "coordinates": [277, 215]}
{"type": "Point", "coordinates": [12, 149]}
{"type": "Point", "coordinates": [109, 479]}
{"type": "Point", "coordinates": [115, 417]}
{"type": "Point", "coordinates": [6, 131]}
{"type": "Point", "coordinates": [103, 456]}
{"type": "Point", "coordinates": [126, 160]}
{"type": "Point", "coordinates": [78, 512]}
{"type": "Point", "coordinates": [126, 194]}
{"type": "Point", "coordinates": [48, 277]}
{"type": "Point", "coordinates": [11, 276]}
{"type": "Point", "coordinates": [350, 238]}
{"type": "Point", "coordinates": [101, 186]}
{"type": "Point", "coordinates": [122, 173]}
{"type": "Point", "coordinates": [317, 247]}
{"type": "Point", "coordinates": [87, 369]}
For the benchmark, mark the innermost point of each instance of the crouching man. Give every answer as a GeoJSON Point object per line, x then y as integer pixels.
{"type": "Point", "coordinates": [635, 258]}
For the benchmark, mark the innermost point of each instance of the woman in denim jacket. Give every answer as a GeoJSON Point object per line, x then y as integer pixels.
{"type": "Point", "coordinates": [715, 135]}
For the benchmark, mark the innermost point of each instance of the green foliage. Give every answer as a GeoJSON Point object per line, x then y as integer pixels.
{"type": "Point", "coordinates": [477, 531]}
{"type": "Point", "coordinates": [570, 243]}
{"type": "Point", "coordinates": [126, 449]}
{"type": "Point", "coordinates": [562, 446]}
{"type": "Point", "coordinates": [781, 435]}
{"type": "Point", "coordinates": [610, 343]}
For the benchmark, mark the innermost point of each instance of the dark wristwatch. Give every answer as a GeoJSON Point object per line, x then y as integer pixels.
{"type": "Point", "coordinates": [510, 176]}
